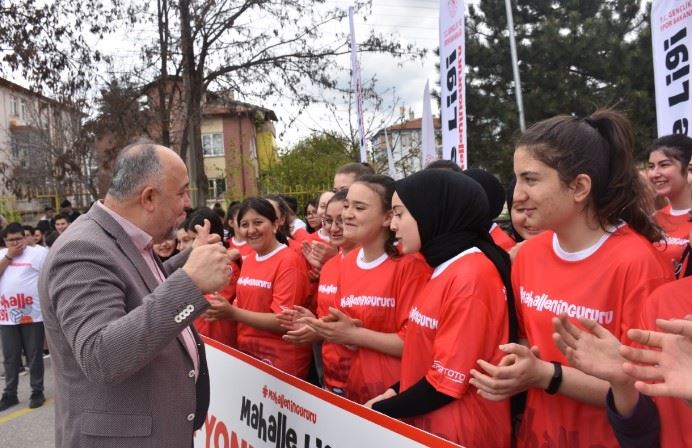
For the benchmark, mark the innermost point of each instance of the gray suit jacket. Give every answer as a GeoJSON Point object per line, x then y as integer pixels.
{"type": "Point", "coordinates": [123, 377]}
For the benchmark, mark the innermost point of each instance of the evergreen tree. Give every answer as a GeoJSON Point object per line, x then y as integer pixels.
{"type": "Point", "coordinates": [574, 56]}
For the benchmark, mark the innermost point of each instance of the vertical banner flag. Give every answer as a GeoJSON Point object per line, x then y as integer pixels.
{"type": "Point", "coordinates": [390, 157]}
{"type": "Point", "coordinates": [670, 22]}
{"type": "Point", "coordinates": [453, 81]}
{"type": "Point", "coordinates": [428, 152]}
{"type": "Point", "coordinates": [357, 88]}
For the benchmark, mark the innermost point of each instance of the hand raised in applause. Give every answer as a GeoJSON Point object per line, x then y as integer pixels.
{"type": "Point", "coordinates": [219, 308]}
{"type": "Point", "coordinates": [318, 253]}
{"type": "Point", "coordinates": [208, 263]}
{"type": "Point", "coordinates": [298, 333]}
{"type": "Point", "coordinates": [662, 367]}
{"type": "Point", "coordinates": [521, 368]}
{"type": "Point", "coordinates": [593, 350]}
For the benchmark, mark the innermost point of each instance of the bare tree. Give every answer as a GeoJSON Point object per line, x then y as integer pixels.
{"type": "Point", "coordinates": [256, 49]}
{"type": "Point", "coordinates": [51, 152]}
{"type": "Point", "coordinates": [51, 43]}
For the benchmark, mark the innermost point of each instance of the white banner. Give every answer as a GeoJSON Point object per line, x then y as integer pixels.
{"type": "Point", "coordinates": [670, 33]}
{"type": "Point", "coordinates": [255, 405]}
{"type": "Point", "coordinates": [357, 88]}
{"type": "Point", "coordinates": [390, 157]}
{"type": "Point", "coordinates": [452, 81]}
{"type": "Point", "coordinates": [428, 152]}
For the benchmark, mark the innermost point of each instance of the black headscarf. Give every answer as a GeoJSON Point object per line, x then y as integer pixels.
{"type": "Point", "coordinates": [493, 190]}
{"type": "Point", "coordinates": [451, 211]}
{"type": "Point", "coordinates": [510, 200]}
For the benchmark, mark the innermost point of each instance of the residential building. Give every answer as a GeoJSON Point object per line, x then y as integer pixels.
{"type": "Point", "coordinates": [405, 139]}
{"type": "Point", "coordinates": [40, 158]}
{"type": "Point", "coordinates": [238, 138]}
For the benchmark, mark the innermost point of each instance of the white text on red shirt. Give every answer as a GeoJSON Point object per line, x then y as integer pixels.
{"type": "Point", "coordinates": [375, 301]}
{"type": "Point", "coordinates": [247, 281]}
{"type": "Point", "coordinates": [542, 302]}
{"type": "Point", "coordinates": [421, 319]}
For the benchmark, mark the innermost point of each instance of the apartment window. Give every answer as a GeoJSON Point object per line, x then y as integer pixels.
{"type": "Point", "coordinates": [217, 187]}
{"type": "Point", "coordinates": [212, 144]}
{"type": "Point", "coordinates": [22, 109]}
{"type": "Point", "coordinates": [14, 106]}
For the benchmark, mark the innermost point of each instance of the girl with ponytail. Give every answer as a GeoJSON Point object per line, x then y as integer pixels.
{"type": "Point", "coordinates": [576, 180]}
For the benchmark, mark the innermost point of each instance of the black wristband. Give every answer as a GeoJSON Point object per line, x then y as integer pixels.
{"type": "Point", "coordinates": [556, 380]}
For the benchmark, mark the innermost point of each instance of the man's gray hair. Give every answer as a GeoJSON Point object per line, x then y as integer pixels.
{"type": "Point", "coordinates": [134, 166]}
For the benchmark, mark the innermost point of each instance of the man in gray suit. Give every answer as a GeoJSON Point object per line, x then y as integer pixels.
{"type": "Point", "coordinates": [129, 368]}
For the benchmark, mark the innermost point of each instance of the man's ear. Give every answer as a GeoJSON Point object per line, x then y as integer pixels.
{"type": "Point", "coordinates": [147, 198]}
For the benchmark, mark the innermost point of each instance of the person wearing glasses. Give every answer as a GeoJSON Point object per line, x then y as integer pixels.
{"type": "Point", "coordinates": [21, 323]}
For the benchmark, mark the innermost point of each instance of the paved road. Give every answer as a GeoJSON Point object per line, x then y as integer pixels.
{"type": "Point", "coordinates": [21, 427]}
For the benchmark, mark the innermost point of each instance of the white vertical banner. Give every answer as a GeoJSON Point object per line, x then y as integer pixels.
{"type": "Point", "coordinates": [390, 156]}
{"type": "Point", "coordinates": [671, 38]}
{"type": "Point", "coordinates": [428, 153]}
{"type": "Point", "coordinates": [452, 81]}
{"type": "Point", "coordinates": [356, 88]}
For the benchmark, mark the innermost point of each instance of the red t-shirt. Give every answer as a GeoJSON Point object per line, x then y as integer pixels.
{"type": "Point", "coordinates": [336, 358]}
{"type": "Point", "coordinates": [677, 230]}
{"type": "Point", "coordinates": [266, 285]}
{"type": "Point", "coordinates": [380, 294]}
{"type": "Point", "coordinates": [671, 301]}
{"type": "Point", "coordinates": [243, 247]}
{"type": "Point", "coordinates": [460, 316]}
{"type": "Point", "coordinates": [300, 234]}
{"type": "Point", "coordinates": [317, 235]}
{"type": "Point", "coordinates": [608, 283]}
{"type": "Point", "coordinates": [224, 331]}
{"type": "Point", "coordinates": [501, 238]}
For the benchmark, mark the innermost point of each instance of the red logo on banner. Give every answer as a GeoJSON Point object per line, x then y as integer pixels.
{"type": "Point", "coordinates": [452, 7]}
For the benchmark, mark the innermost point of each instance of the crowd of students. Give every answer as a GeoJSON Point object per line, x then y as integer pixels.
{"type": "Point", "coordinates": [406, 297]}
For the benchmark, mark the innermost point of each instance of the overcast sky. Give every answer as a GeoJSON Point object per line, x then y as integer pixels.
{"type": "Point", "coordinates": [400, 82]}
{"type": "Point", "coordinates": [413, 21]}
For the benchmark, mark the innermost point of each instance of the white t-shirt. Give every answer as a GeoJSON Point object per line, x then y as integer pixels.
{"type": "Point", "coordinates": [19, 302]}
{"type": "Point", "coordinates": [298, 224]}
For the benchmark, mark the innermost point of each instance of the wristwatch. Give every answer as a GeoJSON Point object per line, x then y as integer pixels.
{"type": "Point", "coordinates": [556, 380]}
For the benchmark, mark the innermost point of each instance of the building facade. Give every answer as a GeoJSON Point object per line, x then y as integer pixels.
{"type": "Point", "coordinates": [42, 160]}
{"type": "Point", "coordinates": [405, 140]}
{"type": "Point", "coordinates": [238, 139]}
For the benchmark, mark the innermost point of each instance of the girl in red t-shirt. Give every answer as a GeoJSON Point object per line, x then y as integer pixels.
{"type": "Point", "coordinates": [667, 171]}
{"type": "Point", "coordinates": [376, 289]}
{"type": "Point", "coordinates": [271, 279]}
{"type": "Point", "coordinates": [459, 316]}
{"type": "Point", "coordinates": [575, 177]}
{"type": "Point", "coordinates": [219, 330]}
{"type": "Point", "coordinates": [312, 219]}
{"type": "Point", "coordinates": [237, 246]}
{"type": "Point", "coordinates": [335, 358]}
